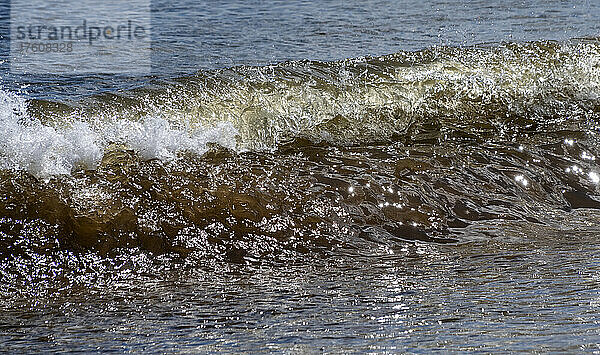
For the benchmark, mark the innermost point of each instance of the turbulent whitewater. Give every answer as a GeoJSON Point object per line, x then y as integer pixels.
{"type": "Point", "coordinates": [303, 159]}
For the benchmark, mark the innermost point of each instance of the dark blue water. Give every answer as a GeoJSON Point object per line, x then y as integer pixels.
{"type": "Point", "coordinates": [189, 36]}
{"type": "Point", "coordinates": [215, 34]}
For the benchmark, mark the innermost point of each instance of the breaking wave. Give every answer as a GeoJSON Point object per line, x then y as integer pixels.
{"type": "Point", "coordinates": [257, 164]}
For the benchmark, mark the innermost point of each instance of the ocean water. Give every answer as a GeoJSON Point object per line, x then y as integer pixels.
{"type": "Point", "coordinates": [296, 176]}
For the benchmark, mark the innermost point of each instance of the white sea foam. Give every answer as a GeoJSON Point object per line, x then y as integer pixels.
{"type": "Point", "coordinates": [27, 144]}
{"type": "Point", "coordinates": [44, 150]}
{"type": "Point", "coordinates": [156, 137]}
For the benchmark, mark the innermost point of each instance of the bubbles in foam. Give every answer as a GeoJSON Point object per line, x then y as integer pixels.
{"type": "Point", "coordinates": [43, 150]}
{"type": "Point", "coordinates": [156, 138]}
{"type": "Point", "coordinates": [40, 149]}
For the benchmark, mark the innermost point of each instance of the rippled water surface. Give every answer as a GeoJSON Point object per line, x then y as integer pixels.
{"type": "Point", "coordinates": [538, 294]}
{"type": "Point", "coordinates": [301, 177]}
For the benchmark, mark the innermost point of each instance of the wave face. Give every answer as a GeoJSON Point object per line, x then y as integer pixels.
{"type": "Point", "coordinates": [484, 92]}
{"type": "Point", "coordinates": [268, 164]}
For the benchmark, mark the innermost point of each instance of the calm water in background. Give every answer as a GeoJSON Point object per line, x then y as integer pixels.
{"type": "Point", "coordinates": [269, 188]}
{"type": "Point", "coordinates": [202, 35]}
